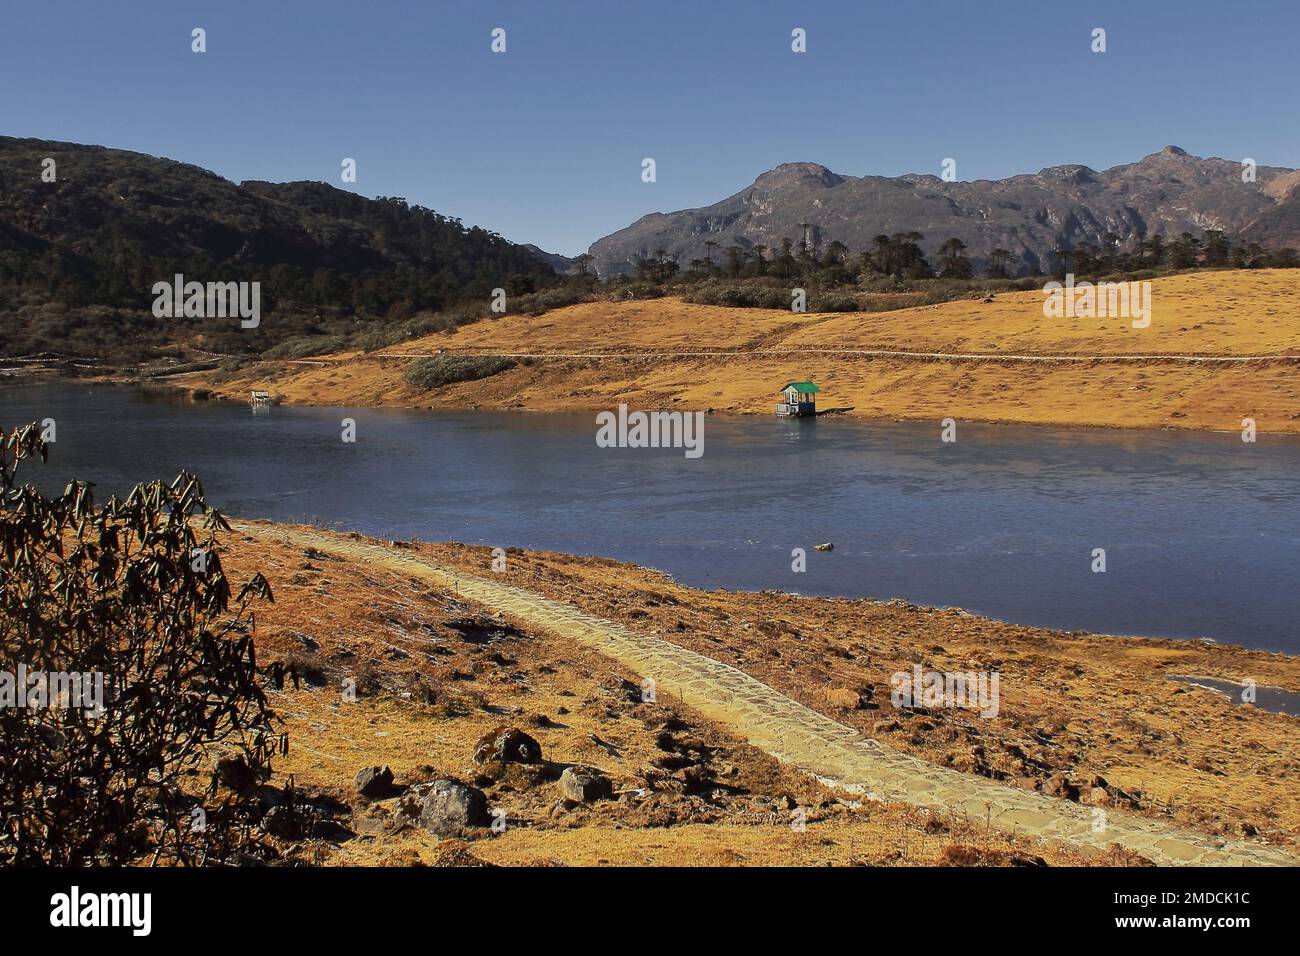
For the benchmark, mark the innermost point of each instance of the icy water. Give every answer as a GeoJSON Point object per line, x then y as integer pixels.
{"type": "Point", "coordinates": [1266, 698]}
{"type": "Point", "coordinates": [1201, 531]}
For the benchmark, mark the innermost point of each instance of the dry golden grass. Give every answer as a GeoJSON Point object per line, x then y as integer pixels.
{"type": "Point", "coordinates": [1077, 705]}
{"type": "Point", "coordinates": [1216, 313]}
{"type": "Point", "coordinates": [667, 324]}
{"type": "Point", "coordinates": [1211, 313]}
{"type": "Point", "coordinates": [351, 620]}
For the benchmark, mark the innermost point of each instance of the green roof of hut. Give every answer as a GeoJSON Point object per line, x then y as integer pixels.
{"type": "Point", "coordinates": [803, 388]}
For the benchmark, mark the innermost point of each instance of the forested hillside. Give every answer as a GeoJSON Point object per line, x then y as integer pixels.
{"type": "Point", "coordinates": [79, 255]}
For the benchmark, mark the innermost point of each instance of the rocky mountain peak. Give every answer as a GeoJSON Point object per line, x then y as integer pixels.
{"type": "Point", "coordinates": [798, 174]}
{"type": "Point", "coordinates": [1169, 155]}
{"type": "Point", "coordinates": [1167, 192]}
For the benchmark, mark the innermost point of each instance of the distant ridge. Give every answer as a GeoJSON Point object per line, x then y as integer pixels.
{"type": "Point", "coordinates": [1031, 215]}
{"type": "Point", "coordinates": [563, 265]}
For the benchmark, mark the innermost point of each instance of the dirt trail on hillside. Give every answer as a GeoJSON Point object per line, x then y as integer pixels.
{"type": "Point", "coordinates": [864, 353]}
{"type": "Point", "coordinates": [804, 738]}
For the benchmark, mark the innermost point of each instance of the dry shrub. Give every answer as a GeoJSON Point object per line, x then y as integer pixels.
{"type": "Point", "coordinates": [130, 598]}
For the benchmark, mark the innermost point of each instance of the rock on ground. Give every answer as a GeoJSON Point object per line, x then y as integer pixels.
{"type": "Point", "coordinates": [374, 782]}
{"type": "Point", "coordinates": [445, 807]}
{"type": "Point", "coordinates": [507, 745]}
{"type": "Point", "coordinates": [585, 784]}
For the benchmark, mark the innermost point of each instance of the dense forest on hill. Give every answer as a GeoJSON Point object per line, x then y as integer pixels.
{"type": "Point", "coordinates": [79, 255]}
{"type": "Point", "coordinates": [899, 257]}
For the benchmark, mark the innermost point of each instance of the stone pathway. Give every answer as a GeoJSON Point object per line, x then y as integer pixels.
{"type": "Point", "coordinates": [800, 736]}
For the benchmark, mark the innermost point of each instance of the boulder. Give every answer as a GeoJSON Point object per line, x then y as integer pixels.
{"type": "Point", "coordinates": [445, 807]}
{"type": "Point", "coordinates": [841, 698]}
{"type": "Point", "coordinates": [374, 782]}
{"type": "Point", "coordinates": [585, 784]}
{"type": "Point", "coordinates": [507, 745]}
{"type": "Point", "coordinates": [1097, 797]}
{"type": "Point", "coordinates": [1058, 785]}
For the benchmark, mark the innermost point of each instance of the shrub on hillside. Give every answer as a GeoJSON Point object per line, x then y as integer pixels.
{"type": "Point", "coordinates": [641, 290]}
{"type": "Point", "coordinates": [381, 338]}
{"type": "Point", "coordinates": [418, 326]}
{"type": "Point", "coordinates": [302, 346]}
{"type": "Point", "coordinates": [439, 370]}
{"type": "Point", "coordinates": [537, 303]}
{"type": "Point", "coordinates": [740, 296]}
{"type": "Point", "coordinates": [823, 302]}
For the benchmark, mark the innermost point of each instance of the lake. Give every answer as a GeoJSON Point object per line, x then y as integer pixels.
{"type": "Point", "coordinates": [1201, 531]}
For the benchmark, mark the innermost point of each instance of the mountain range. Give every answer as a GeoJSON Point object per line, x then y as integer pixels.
{"type": "Point", "coordinates": [83, 241]}
{"type": "Point", "coordinates": [1168, 192]}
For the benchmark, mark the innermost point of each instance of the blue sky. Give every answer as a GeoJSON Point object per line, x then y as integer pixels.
{"type": "Point", "coordinates": [544, 142]}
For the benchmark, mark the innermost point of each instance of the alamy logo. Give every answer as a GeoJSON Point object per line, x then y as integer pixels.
{"type": "Point", "coordinates": [54, 690]}
{"type": "Point", "coordinates": [213, 300]}
{"type": "Point", "coordinates": [651, 430]}
{"type": "Point", "coordinates": [975, 690]}
{"type": "Point", "coordinates": [74, 908]}
{"type": "Point", "coordinates": [1122, 300]}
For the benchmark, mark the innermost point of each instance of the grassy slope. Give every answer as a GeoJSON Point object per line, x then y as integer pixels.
{"type": "Point", "coordinates": [729, 804]}
{"type": "Point", "coordinates": [1215, 313]}
{"type": "Point", "coordinates": [1073, 707]}
{"type": "Point", "coordinates": [1076, 704]}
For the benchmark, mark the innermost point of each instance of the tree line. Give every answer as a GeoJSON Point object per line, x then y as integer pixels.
{"type": "Point", "coordinates": [900, 256]}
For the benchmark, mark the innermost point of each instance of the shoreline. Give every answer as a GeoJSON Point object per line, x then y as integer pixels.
{"type": "Point", "coordinates": [847, 601]}
{"type": "Point", "coordinates": [1283, 701]}
{"type": "Point", "coordinates": [1086, 718]}
{"type": "Point", "coordinates": [1221, 349]}
{"type": "Point", "coordinates": [184, 391]}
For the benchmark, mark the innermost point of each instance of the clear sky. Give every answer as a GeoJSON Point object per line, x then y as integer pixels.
{"type": "Point", "coordinates": [544, 142]}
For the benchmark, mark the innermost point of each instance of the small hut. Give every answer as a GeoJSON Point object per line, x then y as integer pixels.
{"type": "Point", "coordinates": [797, 399]}
{"type": "Point", "coordinates": [260, 397]}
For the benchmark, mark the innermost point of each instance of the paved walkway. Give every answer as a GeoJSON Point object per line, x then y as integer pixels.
{"type": "Point", "coordinates": [799, 736]}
